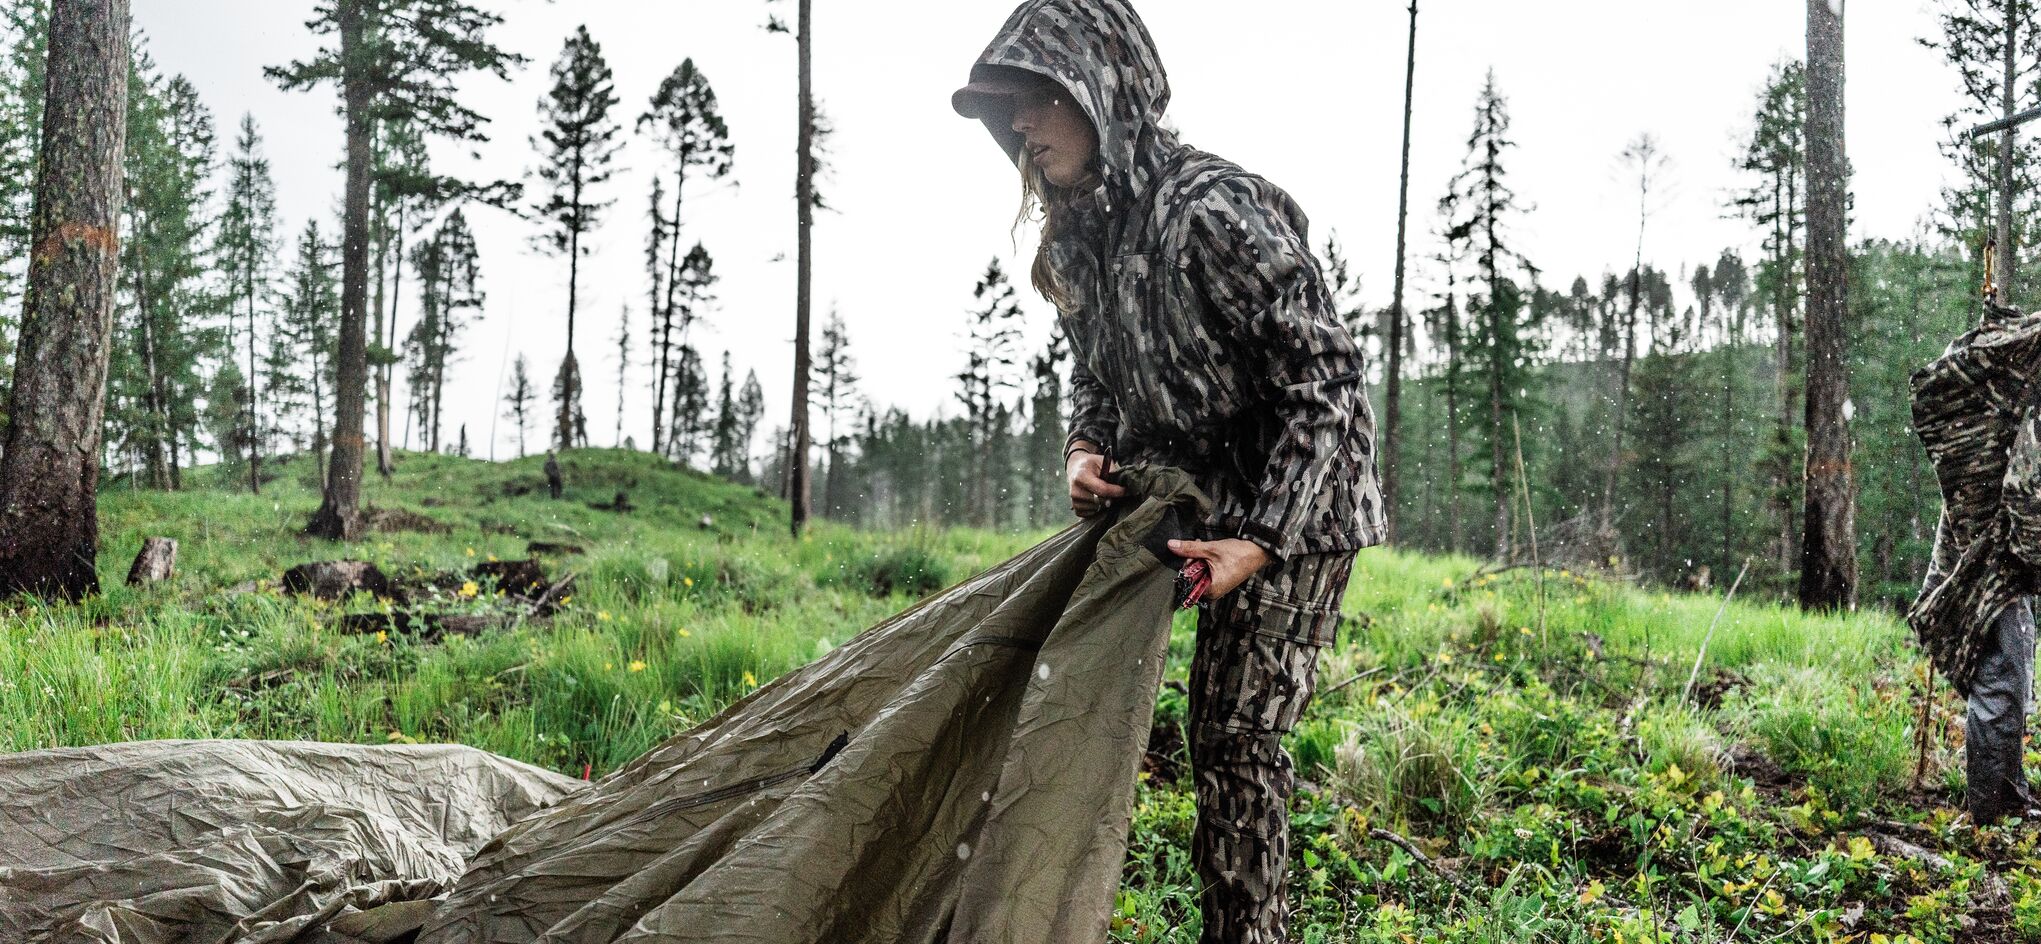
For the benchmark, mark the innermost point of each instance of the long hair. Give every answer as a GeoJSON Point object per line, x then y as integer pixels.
{"type": "Point", "coordinates": [1038, 193]}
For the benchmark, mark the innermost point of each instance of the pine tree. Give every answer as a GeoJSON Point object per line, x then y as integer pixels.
{"type": "Point", "coordinates": [299, 370]}
{"type": "Point", "coordinates": [1480, 205]}
{"type": "Point", "coordinates": [623, 368]}
{"type": "Point", "coordinates": [168, 330]}
{"type": "Point", "coordinates": [1994, 47]}
{"type": "Point", "coordinates": [49, 470]}
{"type": "Point", "coordinates": [696, 278]}
{"type": "Point", "coordinates": [1392, 391]}
{"type": "Point", "coordinates": [448, 271]}
{"type": "Point", "coordinates": [1776, 157]}
{"type": "Point", "coordinates": [394, 60]}
{"type": "Point", "coordinates": [246, 249]}
{"type": "Point", "coordinates": [684, 119]}
{"type": "Point", "coordinates": [518, 404]}
{"type": "Point", "coordinates": [24, 28]}
{"type": "Point", "coordinates": [750, 412]}
{"type": "Point", "coordinates": [805, 203]}
{"type": "Point", "coordinates": [1046, 436]}
{"type": "Point", "coordinates": [691, 405]}
{"type": "Point", "coordinates": [1642, 157]}
{"type": "Point", "coordinates": [991, 342]}
{"type": "Point", "coordinates": [726, 457]}
{"type": "Point", "coordinates": [836, 380]}
{"type": "Point", "coordinates": [1828, 558]}
{"type": "Point", "coordinates": [576, 148]}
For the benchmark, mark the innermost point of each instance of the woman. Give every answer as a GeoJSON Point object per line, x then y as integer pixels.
{"type": "Point", "coordinates": [1204, 338]}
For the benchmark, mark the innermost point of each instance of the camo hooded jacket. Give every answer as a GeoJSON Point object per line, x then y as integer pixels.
{"type": "Point", "coordinates": [1203, 334]}
{"type": "Point", "coordinates": [1977, 412]}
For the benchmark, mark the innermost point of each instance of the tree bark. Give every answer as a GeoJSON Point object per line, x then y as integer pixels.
{"type": "Point", "coordinates": [385, 462]}
{"type": "Point", "coordinates": [49, 472]}
{"type": "Point", "coordinates": [339, 516]}
{"type": "Point", "coordinates": [254, 396]}
{"type": "Point", "coordinates": [2007, 141]}
{"type": "Point", "coordinates": [381, 239]}
{"type": "Point", "coordinates": [804, 200]}
{"type": "Point", "coordinates": [1828, 547]}
{"type": "Point", "coordinates": [1392, 394]}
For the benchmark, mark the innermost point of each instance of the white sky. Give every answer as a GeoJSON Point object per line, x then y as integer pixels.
{"type": "Point", "coordinates": [1307, 93]}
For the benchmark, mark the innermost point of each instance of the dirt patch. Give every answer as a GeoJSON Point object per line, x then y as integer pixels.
{"type": "Point", "coordinates": [392, 520]}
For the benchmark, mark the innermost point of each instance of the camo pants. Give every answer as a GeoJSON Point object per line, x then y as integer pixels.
{"type": "Point", "coordinates": [1253, 673]}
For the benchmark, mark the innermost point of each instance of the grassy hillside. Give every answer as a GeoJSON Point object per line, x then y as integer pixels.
{"type": "Point", "coordinates": [1527, 735]}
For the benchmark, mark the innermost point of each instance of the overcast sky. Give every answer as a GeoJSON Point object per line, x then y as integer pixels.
{"type": "Point", "coordinates": [1307, 93]}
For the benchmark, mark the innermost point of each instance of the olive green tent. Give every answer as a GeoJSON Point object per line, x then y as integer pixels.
{"type": "Point", "coordinates": [962, 772]}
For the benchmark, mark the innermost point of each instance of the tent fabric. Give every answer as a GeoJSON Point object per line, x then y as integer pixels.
{"type": "Point", "coordinates": [244, 841]}
{"type": "Point", "coordinates": [963, 771]}
{"type": "Point", "coordinates": [1974, 410]}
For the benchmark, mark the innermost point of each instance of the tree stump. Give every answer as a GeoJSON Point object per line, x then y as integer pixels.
{"type": "Point", "coordinates": [157, 561]}
{"type": "Point", "coordinates": [331, 580]}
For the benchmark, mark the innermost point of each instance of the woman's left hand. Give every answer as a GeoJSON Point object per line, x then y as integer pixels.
{"type": "Point", "coordinates": [1232, 560]}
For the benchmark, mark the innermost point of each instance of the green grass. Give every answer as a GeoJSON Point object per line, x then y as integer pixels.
{"type": "Point", "coordinates": [1529, 735]}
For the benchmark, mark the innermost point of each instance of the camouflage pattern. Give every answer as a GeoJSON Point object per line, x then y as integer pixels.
{"type": "Point", "coordinates": [1203, 332]}
{"type": "Point", "coordinates": [1253, 673]}
{"type": "Point", "coordinates": [1974, 409]}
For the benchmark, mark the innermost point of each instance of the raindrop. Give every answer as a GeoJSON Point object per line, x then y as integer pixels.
{"type": "Point", "coordinates": [1042, 671]}
{"type": "Point", "coordinates": [963, 851]}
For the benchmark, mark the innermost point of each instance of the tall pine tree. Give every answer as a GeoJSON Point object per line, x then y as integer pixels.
{"type": "Point", "coordinates": [576, 149]}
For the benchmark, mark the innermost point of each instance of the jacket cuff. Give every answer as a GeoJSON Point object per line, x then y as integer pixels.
{"type": "Point", "coordinates": [1268, 538]}
{"type": "Point", "coordinates": [1096, 437]}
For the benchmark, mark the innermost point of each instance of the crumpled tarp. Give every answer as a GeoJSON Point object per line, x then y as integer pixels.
{"type": "Point", "coordinates": [962, 772]}
{"type": "Point", "coordinates": [245, 841]}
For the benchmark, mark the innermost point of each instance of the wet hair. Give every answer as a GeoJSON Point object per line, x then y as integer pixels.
{"type": "Point", "coordinates": [1037, 193]}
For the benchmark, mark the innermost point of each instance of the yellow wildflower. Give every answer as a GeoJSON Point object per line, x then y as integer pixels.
{"type": "Point", "coordinates": [689, 581]}
{"type": "Point", "coordinates": [1447, 583]}
{"type": "Point", "coordinates": [492, 558]}
{"type": "Point", "coordinates": [751, 680]}
{"type": "Point", "coordinates": [608, 666]}
{"type": "Point", "coordinates": [468, 589]}
{"type": "Point", "coordinates": [471, 552]}
{"type": "Point", "coordinates": [382, 637]}
{"type": "Point", "coordinates": [684, 634]}
{"type": "Point", "coordinates": [602, 615]}
{"type": "Point", "coordinates": [637, 665]}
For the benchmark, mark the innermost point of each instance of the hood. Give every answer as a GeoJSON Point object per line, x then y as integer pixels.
{"type": "Point", "coordinates": [1102, 53]}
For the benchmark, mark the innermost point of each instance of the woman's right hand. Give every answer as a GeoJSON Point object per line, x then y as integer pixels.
{"type": "Point", "coordinates": [1089, 491]}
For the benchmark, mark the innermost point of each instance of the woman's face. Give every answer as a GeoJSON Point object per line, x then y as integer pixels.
{"type": "Point", "coordinates": [1060, 140]}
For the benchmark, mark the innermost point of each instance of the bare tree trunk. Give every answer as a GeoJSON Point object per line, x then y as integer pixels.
{"type": "Point", "coordinates": [254, 406]}
{"type": "Point", "coordinates": [385, 385]}
{"type": "Point", "coordinates": [1453, 534]}
{"type": "Point", "coordinates": [1392, 393]}
{"type": "Point", "coordinates": [1828, 556]}
{"type": "Point", "coordinates": [2008, 139]}
{"type": "Point", "coordinates": [804, 201]}
{"type": "Point", "coordinates": [153, 399]}
{"type": "Point", "coordinates": [383, 316]}
{"type": "Point", "coordinates": [339, 516]}
{"type": "Point", "coordinates": [49, 472]}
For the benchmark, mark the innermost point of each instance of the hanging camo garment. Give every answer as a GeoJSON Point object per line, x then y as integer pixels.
{"type": "Point", "coordinates": [1974, 409]}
